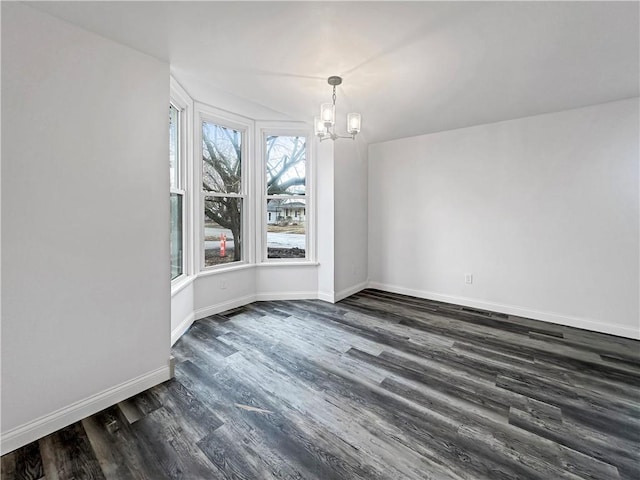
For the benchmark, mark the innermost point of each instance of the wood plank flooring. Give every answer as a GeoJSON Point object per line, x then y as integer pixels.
{"type": "Point", "coordinates": [378, 386]}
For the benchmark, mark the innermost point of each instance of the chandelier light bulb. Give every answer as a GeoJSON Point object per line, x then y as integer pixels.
{"type": "Point", "coordinates": [353, 123]}
{"type": "Point", "coordinates": [319, 127]}
{"type": "Point", "coordinates": [328, 114]}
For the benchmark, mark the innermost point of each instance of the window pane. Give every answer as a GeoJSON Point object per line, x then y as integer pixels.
{"type": "Point", "coordinates": [176, 235]}
{"type": "Point", "coordinates": [221, 158]}
{"type": "Point", "coordinates": [286, 158]}
{"type": "Point", "coordinates": [222, 230]}
{"type": "Point", "coordinates": [286, 228]}
{"type": "Point", "coordinates": [173, 146]}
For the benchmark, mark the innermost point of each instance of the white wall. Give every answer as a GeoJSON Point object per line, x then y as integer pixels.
{"type": "Point", "coordinates": [542, 210]}
{"type": "Point", "coordinates": [220, 291]}
{"type": "Point", "coordinates": [325, 214]}
{"type": "Point", "coordinates": [182, 311]}
{"type": "Point", "coordinates": [350, 198]}
{"type": "Point", "coordinates": [85, 211]}
{"type": "Point", "coordinates": [286, 281]}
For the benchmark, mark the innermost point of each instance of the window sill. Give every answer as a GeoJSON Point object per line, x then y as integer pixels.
{"type": "Point", "coordinates": [288, 264]}
{"type": "Point", "coordinates": [225, 269]}
{"type": "Point", "coordinates": [181, 283]}
{"type": "Point", "coordinates": [245, 266]}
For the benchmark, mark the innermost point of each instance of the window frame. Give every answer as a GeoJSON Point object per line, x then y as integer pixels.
{"type": "Point", "coordinates": [287, 129]}
{"type": "Point", "coordinates": [245, 127]}
{"type": "Point", "coordinates": [179, 188]}
{"type": "Point", "coordinates": [181, 100]}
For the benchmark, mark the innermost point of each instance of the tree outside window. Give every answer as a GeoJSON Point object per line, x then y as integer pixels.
{"type": "Point", "coordinates": [285, 176]}
{"type": "Point", "coordinates": [223, 194]}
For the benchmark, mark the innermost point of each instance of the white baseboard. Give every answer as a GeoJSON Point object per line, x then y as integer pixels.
{"type": "Point", "coordinates": [551, 317]}
{"type": "Point", "coordinates": [184, 325]}
{"type": "Point", "coordinates": [258, 297]}
{"type": "Point", "coordinates": [30, 431]}
{"type": "Point", "coordinates": [224, 306]}
{"type": "Point", "coordinates": [262, 297]}
{"type": "Point", "coordinates": [351, 290]}
{"type": "Point", "coordinates": [326, 296]}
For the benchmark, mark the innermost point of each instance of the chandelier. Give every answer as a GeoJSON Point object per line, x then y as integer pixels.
{"type": "Point", "coordinates": [325, 124]}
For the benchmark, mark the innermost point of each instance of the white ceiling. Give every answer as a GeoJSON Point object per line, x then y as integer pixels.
{"type": "Point", "coordinates": [408, 67]}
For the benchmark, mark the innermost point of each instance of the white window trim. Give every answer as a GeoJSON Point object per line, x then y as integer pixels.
{"type": "Point", "coordinates": [206, 113]}
{"type": "Point", "coordinates": [286, 129]}
{"type": "Point", "coordinates": [180, 99]}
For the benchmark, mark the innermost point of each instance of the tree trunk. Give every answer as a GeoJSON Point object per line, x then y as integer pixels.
{"type": "Point", "coordinates": [237, 244]}
{"type": "Point", "coordinates": [237, 239]}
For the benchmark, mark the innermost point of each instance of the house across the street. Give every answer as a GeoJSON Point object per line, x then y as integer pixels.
{"type": "Point", "coordinates": [286, 211]}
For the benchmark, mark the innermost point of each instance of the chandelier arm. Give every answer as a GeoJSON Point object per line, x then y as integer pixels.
{"type": "Point", "coordinates": [334, 136]}
{"type": "Point", "coordinates": [346, 136]}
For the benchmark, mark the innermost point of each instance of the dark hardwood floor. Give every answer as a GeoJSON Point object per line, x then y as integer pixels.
{"type": "Point", "coordinates": [378, 386]}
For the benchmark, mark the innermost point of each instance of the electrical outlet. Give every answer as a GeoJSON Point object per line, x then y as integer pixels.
{"type": "Point", "coordinates": [468, 278]}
